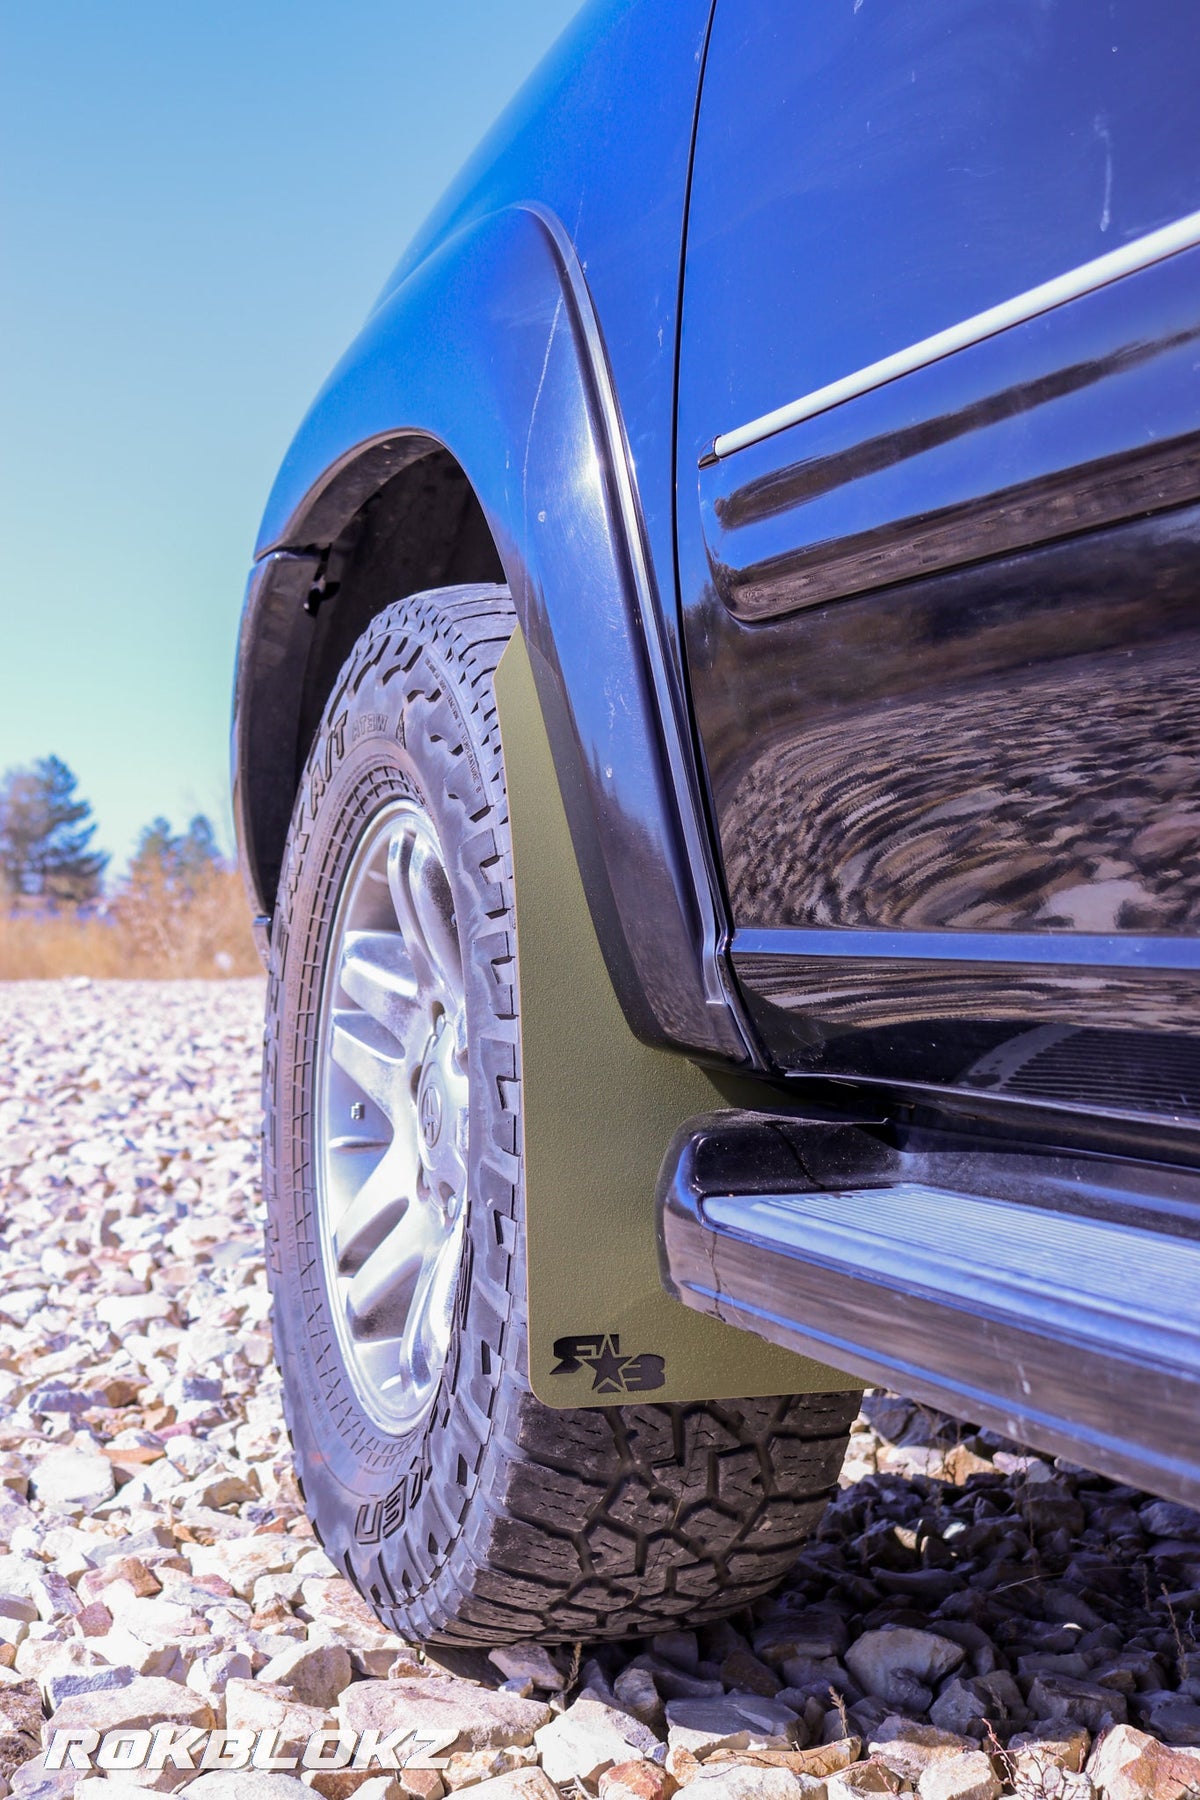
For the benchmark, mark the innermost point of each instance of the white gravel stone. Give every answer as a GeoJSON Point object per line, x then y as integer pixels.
{"type": "Point", "coordinates": [132, 1312]}
{"type": "Point", "coordinates": [590, 1737]}
{"type": "Point", "coordinates": [516, 1784]}
{"type": "Point", "coordinates": [246, 1784]}
{"type": "Point", "coordinates": [969, 1777]}
{"type": "Point", "coordinates": [464, 1716]}
{"type": "Point", "coordinates": [152, 1536]}
{"type": "Point", "coordinates": [143, 1702]}
{"type": "Point", "coordinates": [315, 1675]}
{"type": "Point", "coordinates": [72, 1478]}
{"type": "Point", "coordinates": [746, 1782]}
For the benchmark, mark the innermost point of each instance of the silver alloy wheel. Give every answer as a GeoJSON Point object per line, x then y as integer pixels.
{"type": "Point", "coordinates": [391, 1115]}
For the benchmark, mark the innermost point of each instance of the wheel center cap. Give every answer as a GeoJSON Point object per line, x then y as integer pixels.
{"type": "Point", "coordinates": [431, 1110]}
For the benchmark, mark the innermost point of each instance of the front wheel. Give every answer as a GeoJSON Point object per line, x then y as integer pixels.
{"type": "Point", "coordinates": [461, 1507]}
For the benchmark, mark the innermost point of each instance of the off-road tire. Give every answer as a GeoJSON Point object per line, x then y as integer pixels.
{"type": "Point", "coordinates": [495, 1519]}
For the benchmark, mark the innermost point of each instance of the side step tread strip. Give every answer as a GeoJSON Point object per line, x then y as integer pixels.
{"type": "Point", "coordinates": [1086, 1276]}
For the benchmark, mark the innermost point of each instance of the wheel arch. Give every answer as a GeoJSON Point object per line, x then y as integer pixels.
{"type": "Point", "coordinates": [471, 433]}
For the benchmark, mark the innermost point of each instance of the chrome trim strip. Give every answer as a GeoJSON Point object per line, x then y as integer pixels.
{"type": "Point", "coordinates": [1168, 240]}
{"type": "Point", "coordinates": [1054, 949]}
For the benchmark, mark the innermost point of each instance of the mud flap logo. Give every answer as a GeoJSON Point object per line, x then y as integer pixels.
{"type": "Point", "coordinates": [612, 1373]}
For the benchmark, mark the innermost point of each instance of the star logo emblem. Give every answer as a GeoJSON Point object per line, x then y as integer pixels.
{"type": "Point", "coordinates": [612, 1373]}
{"type": "Point", "coordinates": [607, 1368]}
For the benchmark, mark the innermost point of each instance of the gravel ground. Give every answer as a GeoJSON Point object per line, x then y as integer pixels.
{"type": "Point", "coordinates": [971, 1621]}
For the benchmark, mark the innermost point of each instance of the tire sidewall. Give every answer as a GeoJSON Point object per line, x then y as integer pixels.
{"type": "Point", "coordinates": [395, 727]}
{"type": "Point", "coordinates": [498, 1519]}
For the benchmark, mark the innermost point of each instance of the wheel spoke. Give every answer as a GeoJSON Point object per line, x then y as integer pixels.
{"type": "Point", "coordinates": [379, 1298]}
{"type": "Point", "coordinates": [376, 1208]}
{"type": "Point", "coordinates": [427, 1327]}
{"type": "Point", "coordinates": [425, 910]}
{"type": "Point", "coordinates": [369, 1054]}
{"type": "Point", "coordinates": [348, 1169]}
{"type": "Point", "coordinates": [377, 972]}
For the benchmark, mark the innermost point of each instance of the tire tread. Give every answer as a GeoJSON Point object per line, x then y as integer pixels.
{"type": "Point", "coordinates": [532, 1523]}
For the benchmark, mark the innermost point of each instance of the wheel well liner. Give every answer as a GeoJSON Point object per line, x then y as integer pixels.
{"type": "Point", "coordinates": [422, 527]}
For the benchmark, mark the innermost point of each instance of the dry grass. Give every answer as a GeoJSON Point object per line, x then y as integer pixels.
{"type": "Point", "coordinates": [149, 932]}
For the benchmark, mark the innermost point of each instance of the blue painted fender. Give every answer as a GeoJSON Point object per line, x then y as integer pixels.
{"type": "Point", "coordinates": [490, 349]}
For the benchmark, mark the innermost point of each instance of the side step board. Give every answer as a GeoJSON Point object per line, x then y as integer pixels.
{"type": "Point", "coordinates": [1056, 1300]}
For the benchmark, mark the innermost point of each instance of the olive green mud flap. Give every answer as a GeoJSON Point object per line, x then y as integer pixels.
{"type": "Point", "coordinates": [599, 1110]}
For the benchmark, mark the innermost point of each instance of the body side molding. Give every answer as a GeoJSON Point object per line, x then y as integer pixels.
{"type": "Point", "coordinates": [1168, 240]}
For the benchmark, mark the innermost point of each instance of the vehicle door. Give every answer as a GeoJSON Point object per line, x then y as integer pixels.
{"type": "Point", "coordinates": [938, 462]}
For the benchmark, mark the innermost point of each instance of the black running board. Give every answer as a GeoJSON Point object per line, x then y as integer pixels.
{"type": "Point", "coordinates": [1055, 1300]}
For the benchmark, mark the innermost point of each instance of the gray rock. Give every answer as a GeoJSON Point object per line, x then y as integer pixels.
{"type": "Point", "coordinates": [1050, 1662]}
{"type": "Point", "coordinates": [964, 1706]}
{"type": "Point", "coordinates": [64, 1686]}
{"type": "Point", "coordinates": [743, 1670]}
{"type": "Point", "coordinates": [635, 1690]}
{"type": "Point", "coordinates": [765, 1713]}
{"type": "Point", "coordinates": [528, 1662]}
{"type": "Point", "coordinates": [814, 1633]}
{"type": "Point", "coordinates": [1175, 1718]}
{"type": "Point", "coordinates": [1166, 1519]}
{"type": "Point", "coordinates": [702, 1726]}
{"type": "Point", "coordinates": [866, 1717]}
{"type": "Point", "coordinates": [1060, 1697]}
{"type": "Point", "coordinates": [679, 1647]}
{"type": "Point", "coordinates": [900, 1665]}
{"type": "Point", "coordinates": [678, 1684]}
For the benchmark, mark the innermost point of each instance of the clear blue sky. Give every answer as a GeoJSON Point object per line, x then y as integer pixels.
{"type": "Point", "coordinates": [199, 200]}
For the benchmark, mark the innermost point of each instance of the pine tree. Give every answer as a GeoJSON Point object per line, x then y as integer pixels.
{"type": "Point", "coordinates": [177, 863]}
{"type": "Point", "coordinates": [46, 834]}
